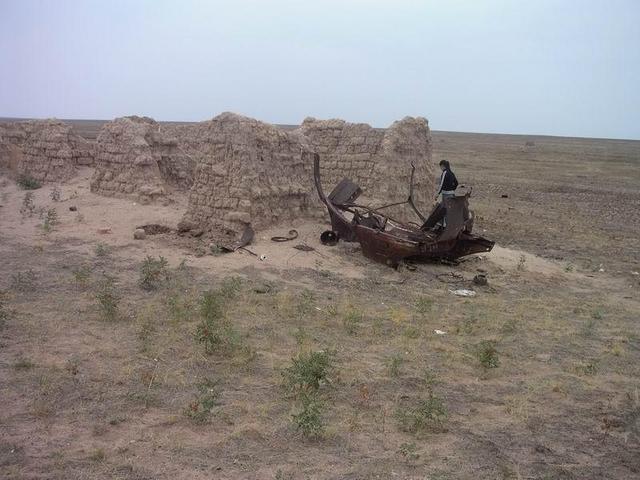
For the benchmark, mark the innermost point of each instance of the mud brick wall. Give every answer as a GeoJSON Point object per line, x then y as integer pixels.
{"type": "Point", "coordinates": [47, 150]}
{"type": "Point", "coordinates": [247, 172]}
{"type": "Point", "coordinates": [252, 172]}
{"type": "Point", "coordinates": [134, 158]}
{"type": "Point", "coordinates": [379, 160]}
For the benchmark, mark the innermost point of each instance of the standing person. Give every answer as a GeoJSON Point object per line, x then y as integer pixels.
{"type": "Point", "coordinates": [448, 181]}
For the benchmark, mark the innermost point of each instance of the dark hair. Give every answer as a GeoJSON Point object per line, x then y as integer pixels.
{"type": "Point", "coordinates": [445, 164]}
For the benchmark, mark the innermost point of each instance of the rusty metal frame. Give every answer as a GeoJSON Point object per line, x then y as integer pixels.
{"type": "Point", "coordinates": [390, 241]}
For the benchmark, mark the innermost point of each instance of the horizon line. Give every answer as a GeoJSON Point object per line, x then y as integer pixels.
{"type": "Point", "coordinates": [293, 125]}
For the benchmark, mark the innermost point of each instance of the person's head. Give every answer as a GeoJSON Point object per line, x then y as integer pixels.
{"type": "Point", "coordinates": [444, 165]}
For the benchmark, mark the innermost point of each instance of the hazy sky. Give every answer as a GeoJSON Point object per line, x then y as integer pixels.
{"type": "Point", "coordinates": [544, 66]}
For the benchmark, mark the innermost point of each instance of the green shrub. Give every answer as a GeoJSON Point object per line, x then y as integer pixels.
{"type": "Point", "coordinates": [28, 204]}
{"type": "Point", "coordinates": [306, 302]}
{"type": "Point", "coordinates": [55, 194]}
{"type": "Point", "coordinates": [214, 331]}
{"type": "Point", "coordinates": [199, 410]}
{"type": "Point", "coordinates": [108, 299]}
{"type": "Point", "coordinates": [24, 281]}
{"type": "Point", "coordinates": [423, 305]}
{"type": "Point", "coordinates": [4, 311]}
{"type": "Point", "coordinates": [50, 220]}
{"type": "Point", "coordinates": [23, 364]}
{"type": "Point", "coordinates": [428, 414]}
{"type": "Point", "coordinates": [180, 306]}
{"type": "Point", "coordinates": [488, 354]}
{"type": "Point", "coordinates": [211, 306]}
{"type": "Point", "coordinates": [308, 370]}
{"type": "Point", "coordinates": [394, 364]}
{"type": "Point", "coordinates": [309, 418]}
{"type": "Point", "coordinates": [27, 182]}
{"type": "Point", "coordinates": [101, 250]}
{"type": "Point", "coordinates": [408, 451]}
{"type": "Point", "coordinates": [153, 272]}
{"type": "Point", "coordinates": [230, 287]}
{"type": "Point", "coordinates": [351, 321]}
{"type": "Point", "coordinates": [81, 276]}
{"type": "Point", "coordinates": [588, 368]}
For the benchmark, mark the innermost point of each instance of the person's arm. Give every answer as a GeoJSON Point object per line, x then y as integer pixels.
{"type": "Point", "coordinates": [441, 183]}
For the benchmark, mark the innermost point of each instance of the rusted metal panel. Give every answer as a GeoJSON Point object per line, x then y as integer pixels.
{"type": "Point", "coordinates": [445, 233]}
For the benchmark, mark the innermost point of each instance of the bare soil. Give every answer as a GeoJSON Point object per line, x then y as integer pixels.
{"type": "Point", "coordinates": [555, 397]}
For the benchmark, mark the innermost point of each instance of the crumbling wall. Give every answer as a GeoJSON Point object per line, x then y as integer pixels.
{"type": "Point", "coordinates": [46, 150]}
{"type": "Point", "coordinates": [252, 172]}
{"type": "Point", "coordinates": [379, 160]}
{"type": "Point", "coordinates": [135, 158]}
{"type": "Point", "coordinates": [247, 172]}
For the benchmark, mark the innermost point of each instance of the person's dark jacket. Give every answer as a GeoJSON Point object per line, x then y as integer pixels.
{"type": "Point", "coordinates": [448, 181]}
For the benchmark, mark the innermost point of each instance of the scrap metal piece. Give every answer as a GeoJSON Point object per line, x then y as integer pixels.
{"type": "Point", "coordinates": [245, 239]}
{"type": "Point", "coordinates": [304, 248]}
{"type": "Point", "coordinates": [293, 234]}
{"type": "Point", "coordinates": [329, 238]}
{"type": "Point", "coordinates": [345, 192]}
{"type": "Point", "coordinates": [387, 240]}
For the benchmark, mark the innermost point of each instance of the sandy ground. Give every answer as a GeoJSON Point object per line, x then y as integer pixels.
{"type": "Point", "coordinates": [88, 398]}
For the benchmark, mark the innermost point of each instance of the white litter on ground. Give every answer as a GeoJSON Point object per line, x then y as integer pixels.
{"type": "Point", "coordinates": [463, 292]}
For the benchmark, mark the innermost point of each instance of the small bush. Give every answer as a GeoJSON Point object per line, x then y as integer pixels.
{"type": "Point", "coordinates": [28, 204]}
{"type": "Point", "coordinates": [50, 220]}
{"type": "Point", "coordinates": [309, 419]}
{"type": "Point", "coordinates": [308, 370]}
{"type": "Point", "coordinates": [81, 276]}
{"type": "Point", "coordinates": [180, 306]}
{"type": "Point", "coordinates": [211, 306]}
{"type": "Point", "coordinates": [488, 354]}
{"type": "Point", "coordinates": [26, 182]}
{"type": "Point", "coordinates": [23, 364]}
{"type": "Point", "coordinates": [214, 332]}
{"type": "Point", "coordinates": [24, 281]}
{"type": "Point", "coordinates": [423, 305]}
{"type": "Point", "coordinates": [351, 321]}
{"type": "Point", "coordinates": [97, 455]}
{"type": "Point", "coordinates": [588, 368]}
{"type": "Point", "coordinates": [230, 287]}
{"type": "Point", "coordinates": [153, 272]}
{"type": "Point", "coordinates": [108, 299]}
{"type": "Point", "coordinates": [408, 451]}
{"type": "Point", "coordinates": [521, 266]}
{"type": "Point", "coordinates": [411, 332]}
{"type": "Point", "coordinates": [55, 194]}
{"type": "Point", "coordinates": [199, 410]}
{"type": "Point", "coordinates": [394, 364]}
{"type": "Point", "coordinates": [101, 250]}
{"type": "Point", "coordinates": [428, 414]}
{"type": "Point", "coordinates": [306, 302]}
{"type": "Point", "coordinates": [4, 311]}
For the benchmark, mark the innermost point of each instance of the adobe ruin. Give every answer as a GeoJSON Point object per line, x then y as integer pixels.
{"type": "Point", "coordinates": [236, 170]}
{"type": "Point", "coordinates": [134, 158]}
{"type": "Point", "coordinates": [250, 172]}
{"type": "Point", "coordinates": [45, 150]}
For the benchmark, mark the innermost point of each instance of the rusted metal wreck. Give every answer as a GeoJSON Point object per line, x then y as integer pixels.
{"type": "Point", "coordinates": [444, 234]}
